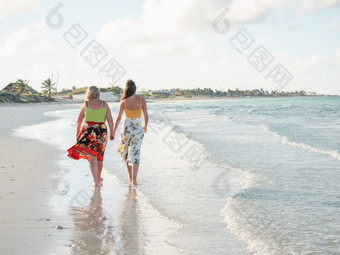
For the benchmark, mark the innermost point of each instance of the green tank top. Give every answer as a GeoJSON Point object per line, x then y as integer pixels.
{"type": "Point", "coordinates": [93, 115]}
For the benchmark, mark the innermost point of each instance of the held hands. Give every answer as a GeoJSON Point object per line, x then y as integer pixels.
{"type": "Point", "coordinates": [145, 129]}
{"type": "Point", "coordinates": [112, 136]}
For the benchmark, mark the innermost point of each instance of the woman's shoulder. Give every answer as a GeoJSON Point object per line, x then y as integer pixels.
{"type": "Point", "coordinates": [140, 98]}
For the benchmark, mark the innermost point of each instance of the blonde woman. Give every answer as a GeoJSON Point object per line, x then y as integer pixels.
{"type": "Point", "coordinates": [92, 137]}
{"type": "Point", "coordinates": [132, 131]}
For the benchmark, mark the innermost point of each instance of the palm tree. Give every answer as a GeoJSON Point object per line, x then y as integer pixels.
{"type": "Point", "coordinates": [48, 87]}
{"type": "Point", "coordinates": [21, 86]}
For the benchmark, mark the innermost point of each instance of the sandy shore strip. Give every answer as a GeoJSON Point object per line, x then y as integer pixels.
{"type": "Point", "coordinates": [27, 169]}
{"type": "Point", "coordinates": [48, 207]}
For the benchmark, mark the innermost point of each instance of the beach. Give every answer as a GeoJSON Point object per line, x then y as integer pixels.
{"type": "Point", "coordinates": [43, 213]}
{"type": "Point", "coordinates": [242, 176]}
{"type": "Point", "coordinates": [27, 170]}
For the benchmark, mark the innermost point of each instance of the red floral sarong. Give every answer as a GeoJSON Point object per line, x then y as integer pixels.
{"type": "Point", "coordinates": [91, 142]}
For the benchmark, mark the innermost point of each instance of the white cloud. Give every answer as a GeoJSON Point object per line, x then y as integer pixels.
{"type": "Point", "coordinates": [334, 23]}
{"type": "Point", "coordinates": [19, 42]}
{"type": "Point", "coordinates": [165, 27]}
{"type": "Point", "coordinates": [337, 57]}
{"type": "Point", "coordinates": [306, 65]}
{"type": "Point", "coordinates": [27, 39]}
{"type": "Point", "coordinates": [315, 60]}
{"type": "Point", "coordinates": [245, 11]}
{"type": "Point", "coordinates": [12, 7]}
{"type": "Point", "coordinates": [64, 66]}
{"type": "Point", "coordinates": [312, 5]}
{"type": "Point", "coordinates": [172, 26]}
{"type": "Point", "coordinates": [161, 20]}
{"type": "Point", "coordinates": [165, 19]}
{"type": "Point", "coordinates": [40, 25]}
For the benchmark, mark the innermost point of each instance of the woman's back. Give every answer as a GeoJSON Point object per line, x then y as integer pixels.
{"type": "Point", "coordinates": [95, 104]}
{"type": "Point", "coordinates": [133, 106]}
{"type": "Point", "coordinates": [133, 103]}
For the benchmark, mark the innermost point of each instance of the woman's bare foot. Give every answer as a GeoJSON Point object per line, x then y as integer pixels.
{"type": "Point", "coordinates": [95, 185]}
{"type": "Point", "coordinates": [134, 183]}
{"type": "Point", "coordinates": [101, 180]}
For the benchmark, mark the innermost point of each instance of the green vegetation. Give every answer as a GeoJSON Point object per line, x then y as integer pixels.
{"type": "Point", "coordinates": [235, 93]}
{"type": "Point", "coordinates": [48, 87]}
{"type": "Point", "coordinates": [21, 86]}
{"type": "Point", "coordinates": [145, 95]}
{"type": "Point", "coordinates": [8, 97]}
{"type": "Point", "coordinates": [207, 92]}
{"type": "Point", "coordinates": [151, 96]}
{"type": "Point", "coordinates": [78, 91]}
{"type": "Point", "coordinates": [20, 92]}
{"type": "Point", "coordinates": [115, 89]}
{"type": "Point", "coordinates": [74, 91]}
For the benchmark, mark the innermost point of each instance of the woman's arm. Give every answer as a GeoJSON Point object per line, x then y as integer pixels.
{"type": "Point", "coordinates": [146, 116]}
{"type": "Point", "coordinates": [109, 120]}
{"type": "Point", "coordinates": [119, 117]}
{"type": "Point", "coordinates": [80, 119]}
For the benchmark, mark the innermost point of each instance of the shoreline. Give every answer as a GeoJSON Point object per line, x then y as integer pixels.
{"type": "Point", "coordinates": [76, 102]}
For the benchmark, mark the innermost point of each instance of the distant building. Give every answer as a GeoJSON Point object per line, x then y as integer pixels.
{"type": "Point", "coordinates": [141, 91]}
{"type": "Point", "coordinates": [65, 91]}
{"type": "Point", "coordinates": [162, 92]}
{"type": "Point", "coordinates": [154, 92]}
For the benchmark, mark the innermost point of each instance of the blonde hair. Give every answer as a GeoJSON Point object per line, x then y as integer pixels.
{"type": "Point", "coordinates": [92, 93]}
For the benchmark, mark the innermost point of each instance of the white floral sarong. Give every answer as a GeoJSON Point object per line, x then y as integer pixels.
{"type": "Point", "coordinates": [131, 139]}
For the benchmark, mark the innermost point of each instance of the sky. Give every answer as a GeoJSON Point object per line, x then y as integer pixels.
{"type": "Point", "coordinates": [246, 44]}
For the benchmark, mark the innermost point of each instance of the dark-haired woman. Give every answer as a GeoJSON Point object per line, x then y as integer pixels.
{"type": "Point", "coordinates": [132, 133]}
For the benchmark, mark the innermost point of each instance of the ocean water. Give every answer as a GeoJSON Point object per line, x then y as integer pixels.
{"type": "Point", "coordinates": [241, 176]}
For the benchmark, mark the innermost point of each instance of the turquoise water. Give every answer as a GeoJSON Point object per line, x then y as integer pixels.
{"type": "Point", "coordinates": [256, 176]}
{"type": "Point", "coordinates": [286, 153]}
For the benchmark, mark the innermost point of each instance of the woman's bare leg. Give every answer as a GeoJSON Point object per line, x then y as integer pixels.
{"type": "Point", "coordinates": [99, 168]}
{"type": "Point", "coordinates": [134, 173]}
{"type": "Point", "coordinates": [94, 170]}
{"type": "Point", "coordinates": [129, 169]}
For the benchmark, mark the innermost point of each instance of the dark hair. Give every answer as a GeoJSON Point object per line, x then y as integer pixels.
{"type": "Point", "coordinates": [130, 89]}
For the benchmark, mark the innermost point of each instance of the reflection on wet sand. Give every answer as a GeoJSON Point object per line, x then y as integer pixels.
{"type": "Point", "coordinates": [131, 235]}
{"type": "Point", "coordinates": [93, 232]}
{"type": "Point", "coordinates": [131, 227]}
